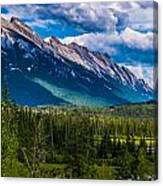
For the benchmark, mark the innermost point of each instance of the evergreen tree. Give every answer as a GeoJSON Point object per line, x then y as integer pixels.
{"type": "Point", "coordinates": [144, 168]}
{"type": "Point", "coordinates": [125, 165]}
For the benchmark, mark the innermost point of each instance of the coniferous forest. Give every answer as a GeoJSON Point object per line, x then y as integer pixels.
{"type": "Point", "coordinates": [79, 142]}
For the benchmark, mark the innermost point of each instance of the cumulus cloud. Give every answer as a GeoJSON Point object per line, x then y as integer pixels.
{"type": "Point", "coordinates": [90, 16]}
{"type": "Point", "coordinates": [134, 39]}
{"type": "Point", "coordinates": [143, 72]}
{"type": "Point", "coordinates": [96, 41]}
{"type": "Point", "coordinates": [107, 42]}
{"type": "Point", "coordinates": [42, 23]}
{"type": "Point", "coordinates": [142, 19]}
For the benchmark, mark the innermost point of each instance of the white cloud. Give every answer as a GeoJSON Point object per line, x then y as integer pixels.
{"type": "Point", "coordinates": [143, 72]}
{"type": "Point", "coordinates": [90, 16]}
{"type": "Point", "coordinates": [106, 42]}
{"type": "Point", "coordinates": [99, 16]}
{"type": "Point", "coordinates": [141, 19]}
{"type": "Point", "coordinates": [135, 39]}
{"type": "Point", "coordinates": [95, 41]}
{"type": "Point", "coordinates": [42, 23]}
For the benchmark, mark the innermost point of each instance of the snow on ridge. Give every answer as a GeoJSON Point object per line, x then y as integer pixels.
{"type": "Point", "coordinates": [95, 62]}
{"type": "Point", "coordinates": [47, 39]}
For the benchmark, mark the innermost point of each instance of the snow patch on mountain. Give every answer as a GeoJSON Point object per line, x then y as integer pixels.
{"type": "Point", "coordinates": [87, 70]}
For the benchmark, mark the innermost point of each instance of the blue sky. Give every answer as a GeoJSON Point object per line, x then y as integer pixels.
{"type": "Point", "coordinates": [124, 30]}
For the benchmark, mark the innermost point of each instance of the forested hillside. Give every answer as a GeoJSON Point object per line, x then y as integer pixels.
{"type": "Point", "coordinates": [79, 142]}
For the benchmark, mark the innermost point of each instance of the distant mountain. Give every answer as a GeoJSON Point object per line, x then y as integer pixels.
{"type": "Point", "coordinates": [41, 72]}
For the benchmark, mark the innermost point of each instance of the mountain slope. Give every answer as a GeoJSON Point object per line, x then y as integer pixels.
{"type": "Point", "coordinates": [64, 74]}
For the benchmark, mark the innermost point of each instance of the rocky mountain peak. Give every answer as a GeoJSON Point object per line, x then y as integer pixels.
{"type": "Point", "coordinates": [73, 67]}
{"type": "Point", "coordinates": [52, 40]}
{"type": "Point", "coordinates": [18, 23]}
{"type": "Point", "coordinates": [78, 47]}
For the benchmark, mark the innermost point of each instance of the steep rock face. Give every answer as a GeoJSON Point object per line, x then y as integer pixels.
{"type": "Point", "coordinates": [49, 72]}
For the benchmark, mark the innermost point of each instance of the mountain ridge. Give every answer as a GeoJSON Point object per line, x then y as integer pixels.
{"type": "Point", "coordinates": [72, 68]}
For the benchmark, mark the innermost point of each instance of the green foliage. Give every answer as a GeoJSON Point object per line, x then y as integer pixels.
{"type": "Point", "coordinates": [5, 95]}
{"type": "Point", "coordinates": [10, 164]}
{"type": "Point", "coordinates": [74, 142]}
{"type": "Point", "coordinates": [106, 172]}
{"type": "Point", "coordinates": [126, 161]}
{"type": "Point", "coordinates": [145, 168]}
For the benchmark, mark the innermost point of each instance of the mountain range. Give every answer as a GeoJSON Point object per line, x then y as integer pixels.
{"type": "Point", "coordinates": [47, 72]}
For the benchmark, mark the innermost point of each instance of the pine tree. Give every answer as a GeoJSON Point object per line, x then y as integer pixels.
{"type": "Point", "coordinates": [125, 164]}
{"type": "Point", "coordinates": [144, 168]}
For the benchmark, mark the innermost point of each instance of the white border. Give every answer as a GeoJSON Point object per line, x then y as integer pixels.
{"type": "Point", "coordinates": [41, 182]}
